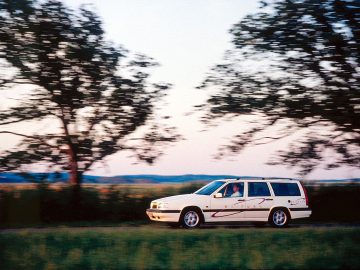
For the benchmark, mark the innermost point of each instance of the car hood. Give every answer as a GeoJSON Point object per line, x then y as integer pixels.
{"type": "Point", "coordinates": [179, 198]}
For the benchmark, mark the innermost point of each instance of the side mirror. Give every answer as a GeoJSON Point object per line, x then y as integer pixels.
{"type": "Point", "coordinates": [218, 195]}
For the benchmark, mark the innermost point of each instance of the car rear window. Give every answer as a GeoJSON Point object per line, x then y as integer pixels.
{"type": "Point", "coordinates": [257, 189]}
{"type": "Point", "coordinates": [286, 189]}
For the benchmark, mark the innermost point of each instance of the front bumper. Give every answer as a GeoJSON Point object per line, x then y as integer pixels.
{"type": "Point", "coordinates": [163, 215]}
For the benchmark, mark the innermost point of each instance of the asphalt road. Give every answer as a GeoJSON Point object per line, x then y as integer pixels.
{"type": "Point", "coordinates": [156, 226]}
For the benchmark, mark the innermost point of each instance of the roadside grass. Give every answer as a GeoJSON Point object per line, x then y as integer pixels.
{"type": "Point", "coordinates": [162, 248]}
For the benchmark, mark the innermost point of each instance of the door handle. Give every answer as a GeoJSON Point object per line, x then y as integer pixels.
{"type": "Point", "coordinates": [269, 199]}
{"type": "Point", "coordinates": [241, 200]}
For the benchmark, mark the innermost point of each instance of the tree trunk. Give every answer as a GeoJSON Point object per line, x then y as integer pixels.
{"type": "Point", "coordinates": [75, 175]}
{"type": "Point", "coordinates": [75, 205]}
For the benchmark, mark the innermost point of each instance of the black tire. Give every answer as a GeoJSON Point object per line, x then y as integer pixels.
{"type": "Point", "coordinates": [191, 218]}
{"type": "Point", "coordinates": [279, 218]}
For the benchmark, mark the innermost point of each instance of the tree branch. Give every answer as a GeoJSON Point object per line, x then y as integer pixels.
{"type": "Point", "coordinates": [31, 137]}
{"type": "Point", "coordinates": [19, 134]}
{"type": "Point", "coordinates": [13, 122]}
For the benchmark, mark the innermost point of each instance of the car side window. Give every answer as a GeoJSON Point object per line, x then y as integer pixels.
{"type": "Point", "coordinates": [285, 189]}
{"type": "Point", "coordinates": [258, 189]}
{"type": "Point", "coordinates": [233, 190]}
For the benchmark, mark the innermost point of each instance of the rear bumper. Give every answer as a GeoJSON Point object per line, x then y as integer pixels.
{"type": "Point", "coordinates": [300, 212]}
{"type": "Point", "coordinates": [163, 215]}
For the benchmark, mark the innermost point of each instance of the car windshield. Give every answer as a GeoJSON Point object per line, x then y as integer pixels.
{"type": "Point", "coordinates": [210, 188]}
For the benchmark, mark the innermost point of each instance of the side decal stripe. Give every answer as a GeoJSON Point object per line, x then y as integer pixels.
{"type": "Point", "coordinates": [225, 210]}
{"type": "Point", "coordinates": [236, 210]}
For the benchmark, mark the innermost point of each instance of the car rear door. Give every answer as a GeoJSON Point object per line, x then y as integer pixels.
{"type": "Point", "coordinates": [259, 200]}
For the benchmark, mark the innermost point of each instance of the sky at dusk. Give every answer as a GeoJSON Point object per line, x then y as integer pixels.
{"type": "Point", "coordinates": [187, 38]}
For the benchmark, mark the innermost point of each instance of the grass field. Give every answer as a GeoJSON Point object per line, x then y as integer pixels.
{"type": "Point", "coordinates": [161, 248]}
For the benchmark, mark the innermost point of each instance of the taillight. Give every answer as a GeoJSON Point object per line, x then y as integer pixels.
{"type": "Point", "coordinates": [306, 195]}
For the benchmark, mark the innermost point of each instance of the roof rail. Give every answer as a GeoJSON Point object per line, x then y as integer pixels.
{"type": "Point", "coordinates": [264, 178]}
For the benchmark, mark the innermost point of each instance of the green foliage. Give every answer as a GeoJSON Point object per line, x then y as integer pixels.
{"type": "Point", "coordinates": [294, 65]}
{"type": "Point", "coordinates": [335, 203]}
{"type": "Point", "coordinates": [94, 93]}
{"type": "Point", "coordinates": [105, 204]}
{"type": "Point", "coordinates": [118, 204]}
{"type": "Point", "coordinates": [152, 248]}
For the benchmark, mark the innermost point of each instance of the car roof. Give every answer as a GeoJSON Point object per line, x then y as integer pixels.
{"type": "Point", "coordinates": [261, 179]}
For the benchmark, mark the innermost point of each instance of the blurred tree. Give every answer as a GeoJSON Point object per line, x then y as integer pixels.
{"type": "Point", "coordinates": [295, 68]}
{"type": "Point", "coordinates": [95, 93]}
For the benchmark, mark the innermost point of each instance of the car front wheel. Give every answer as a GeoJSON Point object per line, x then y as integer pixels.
{"type": "Point", "coordinates": [190, 218]}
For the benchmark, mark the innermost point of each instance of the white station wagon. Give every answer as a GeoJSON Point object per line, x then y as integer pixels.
{"type": "Point", "coordinates": [276, 201]}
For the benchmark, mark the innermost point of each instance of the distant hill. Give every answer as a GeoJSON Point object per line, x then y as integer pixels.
{"type": "Point", "coordinates": [8, 177]}
{"type": "Point", "coordinates": [62, 177]}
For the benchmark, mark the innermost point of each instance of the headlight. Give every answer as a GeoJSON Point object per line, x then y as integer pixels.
{"type": "Point", "coordinates": [163, 205]}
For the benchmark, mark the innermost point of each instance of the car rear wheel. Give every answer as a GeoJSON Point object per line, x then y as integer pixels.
{"type": "Point", "coordinates": [191, 218]}
{"type": "Point", "coordinates": [279, 218]}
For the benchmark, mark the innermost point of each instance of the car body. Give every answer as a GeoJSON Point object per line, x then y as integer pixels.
{"type": "Point", "coordinates": [276, 201]}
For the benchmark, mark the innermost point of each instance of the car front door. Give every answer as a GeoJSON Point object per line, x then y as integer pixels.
{"type": "Point", "coordinates": [230, 206]}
